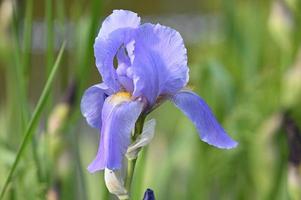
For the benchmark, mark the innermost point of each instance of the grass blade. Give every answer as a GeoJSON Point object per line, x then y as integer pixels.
{"type": "Point", "coordinates": [33, 121]}
{"type": "Point", "coordinates": [49, 37]}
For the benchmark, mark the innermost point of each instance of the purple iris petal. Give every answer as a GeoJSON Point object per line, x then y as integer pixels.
{"type": "Point", "coordinates": [117, 30]}
{"type": "Point", "coordinates": [160, 63]}
{"type": "Point", "coordinates": [92, 102]}
{"type": "Point", "coordinates": [152, 59]}
{"type": "Point", "coordinates": [106, 50]}
{"type": "Point", "coordinates": [124, 64]}
{"type": "Point", "coordinates": [199, 113]}
{"type": "Point", "coordinates": [118, 121]}
{"type": "Point", "coordinates": [118, 19]}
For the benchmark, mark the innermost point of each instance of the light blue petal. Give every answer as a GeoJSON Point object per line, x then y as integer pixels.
{"type": "Point", "coordinates": [124, 63]}
{"type": "Point", "coordinates": [117, 124]}
{"type": "Point", "coordinates": [118, 19]}
{"type": "Point", "coordinates": [92, 102]}
{"type": "Point", "coordinates": [196, 109]}
{"type": "Point", "coordinates": [105, 51]}
{"type": "Point", "coordinates": [160, 63]}
{"type": "Point", "coordinates": [117, 30]}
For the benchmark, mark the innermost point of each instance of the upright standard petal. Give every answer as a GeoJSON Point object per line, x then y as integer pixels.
{"type": "Point", "coordinates": [117, 31]}
{"type": "Point", "coordinates": [119, 115]}
{"type": "Point", "coordinates": [200, 114]}
{"type": "Point", "coordinates": [160, 63]}
{"type": "Point", "coordinates": [118, 19]}
{"type": "Point", "coordinates": [92, 102]}
{"type": "Point", "coordinates": [105, 51]}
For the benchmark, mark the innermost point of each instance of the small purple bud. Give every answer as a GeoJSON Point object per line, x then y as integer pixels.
{"type": "Point", "coordinates": [149, 195]}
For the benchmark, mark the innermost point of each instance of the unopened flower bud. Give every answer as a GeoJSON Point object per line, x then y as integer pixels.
{"type": "Point", "coordinates": [149, 195]}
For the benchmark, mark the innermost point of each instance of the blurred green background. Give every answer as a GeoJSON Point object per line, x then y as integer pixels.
{"type": "Point", "coordinates": [244, 59]}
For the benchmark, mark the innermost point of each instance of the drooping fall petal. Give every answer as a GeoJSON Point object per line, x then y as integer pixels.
{"type": "Point", "coordinates": [119, 115]}
{"type": "Point", "coordinates": [196, 109]}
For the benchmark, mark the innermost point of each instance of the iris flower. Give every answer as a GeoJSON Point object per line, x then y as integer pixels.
{"type": "Point", "coordinates": [142, 65]}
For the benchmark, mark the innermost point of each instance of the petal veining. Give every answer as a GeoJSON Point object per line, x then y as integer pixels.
{"type": "Point", "coordinates": [119, 118]}
{"type": "Point", "coordinates": [160, 63]}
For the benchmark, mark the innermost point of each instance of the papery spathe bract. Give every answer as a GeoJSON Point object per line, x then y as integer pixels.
{"type": "Point", "coordinates": [115, 183]}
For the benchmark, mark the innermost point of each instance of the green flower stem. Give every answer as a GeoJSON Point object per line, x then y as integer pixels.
{"type": "Point", "coordinates": [130, 173]}
{"type": "Point", "coordinates": [132, 163]}
{"type": "Point", "coordinates": [33, 121]}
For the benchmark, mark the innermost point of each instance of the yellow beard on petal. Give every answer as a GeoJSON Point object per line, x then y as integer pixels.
{"type": "Point", "coordinates": [120, 97]}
